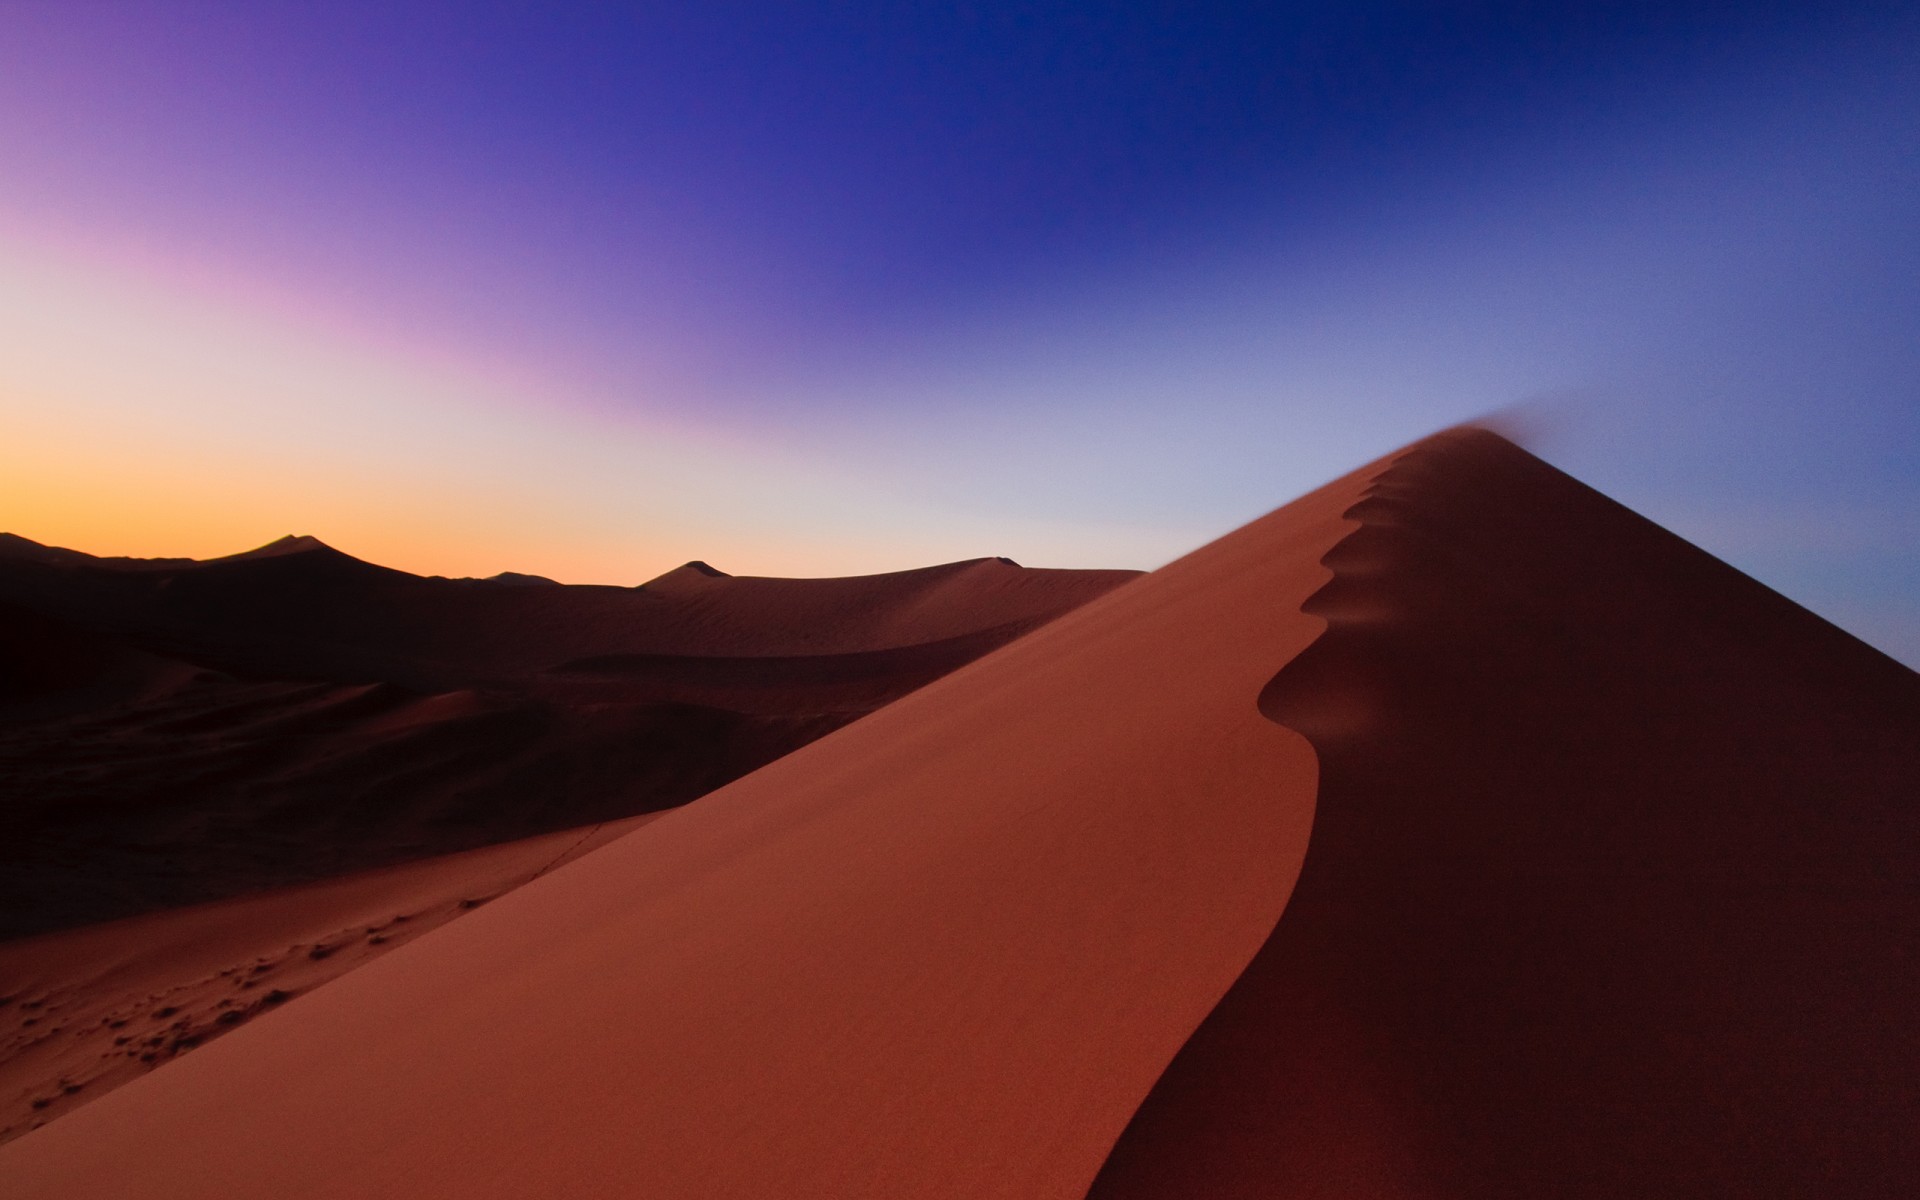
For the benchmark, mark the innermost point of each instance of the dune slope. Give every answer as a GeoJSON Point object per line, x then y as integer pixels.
{"type": "Point", "coordinates": [943, 951]}
{"type": "Point", "coordinates": [85, 1011]}
{"type": "Point", "coordinates": [1613, 884]}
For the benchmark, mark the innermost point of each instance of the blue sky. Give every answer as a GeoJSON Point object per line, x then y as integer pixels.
{"type": "Point", "coordinates": [828, 288]}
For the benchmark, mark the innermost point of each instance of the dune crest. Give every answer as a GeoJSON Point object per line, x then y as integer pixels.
{"type": "Point", "coordinates": [1612, 877]}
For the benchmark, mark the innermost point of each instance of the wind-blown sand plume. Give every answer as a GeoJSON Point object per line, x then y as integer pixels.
{"type": "Point", "coordinates": [942, 952]}
{"type": "Point", "coordinates": [1613, 885]}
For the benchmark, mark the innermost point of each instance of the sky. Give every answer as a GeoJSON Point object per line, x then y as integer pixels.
{"type": "Point", "coordinates": [820, 289]}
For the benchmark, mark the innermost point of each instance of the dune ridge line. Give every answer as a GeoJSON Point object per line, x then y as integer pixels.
{"type": "Point", "coordinates": [1609, 888]}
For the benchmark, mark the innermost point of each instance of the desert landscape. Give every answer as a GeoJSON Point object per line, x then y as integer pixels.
{"type": "Point", "coordinates": [720, 600]}
{"type": "Point", "coordinates": [1450, 831]}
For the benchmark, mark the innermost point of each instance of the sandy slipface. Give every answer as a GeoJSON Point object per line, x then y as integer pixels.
{"type": "Point", "coordinates": [944, 951]}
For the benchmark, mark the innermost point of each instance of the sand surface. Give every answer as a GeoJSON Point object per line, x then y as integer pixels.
{"type": "Point", "coordinates": [1614, 884]}
{"type": "Point", "coordinates": [87, 1010]}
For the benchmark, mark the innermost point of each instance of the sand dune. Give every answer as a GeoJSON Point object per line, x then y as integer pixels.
{"type": "Point", "coordinates": [91, 1009]}
{"type": "Point", "coordinates": [1613, 886]}
{"type": "Point", "coordinates": [298, 609]}
{"type": "Point", "coordinates": [1606, 885]}
{"type": "Point", "coordinates": [181, 731]}
{"type": "Point", "coordinates": [54, 668]}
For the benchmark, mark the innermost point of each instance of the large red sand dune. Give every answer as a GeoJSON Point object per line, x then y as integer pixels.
{"type": "Point", "coordinates": [1610, 887]}
{"type": "Point", "coordinates": [1614, 884]}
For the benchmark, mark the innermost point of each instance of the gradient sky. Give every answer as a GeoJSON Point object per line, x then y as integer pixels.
{"type": "Point", "coordinates": [819, 289]}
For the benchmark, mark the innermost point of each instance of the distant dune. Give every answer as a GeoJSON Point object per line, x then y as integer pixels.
{"type": "Point", "coordinates": [174, 731]}
{"type": "Point", "coordinates": [1450, 832]}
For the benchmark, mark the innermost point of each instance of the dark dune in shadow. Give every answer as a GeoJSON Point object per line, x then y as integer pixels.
{"type": "Point", "coordinates": [174, 731]}
{"type": "Point", "coordinates": [775, 684]}
{"type": "Point", "coordinates": [54, 667]}
{"type": "Point", "coordinates": [1612, 885]}
{"type": "Point", "coordinates": [298, 609]}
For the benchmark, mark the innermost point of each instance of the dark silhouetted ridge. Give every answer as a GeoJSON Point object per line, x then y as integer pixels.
{"type": "Point", "coordinates": [292, 543]}
{"type": "Point", "coordinates": [14, 546]}
{"type": "Point", "coordinates": [517, 579]}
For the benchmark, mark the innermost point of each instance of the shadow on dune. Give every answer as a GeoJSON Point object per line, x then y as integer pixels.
{"type": "Point", "coordinates": [1611, 886]}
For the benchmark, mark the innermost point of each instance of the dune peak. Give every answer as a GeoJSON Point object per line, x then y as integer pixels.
{"type": "Point", "coordinates": [292, 543]}
{"type": "Point", "coordinates": [687, 572]}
